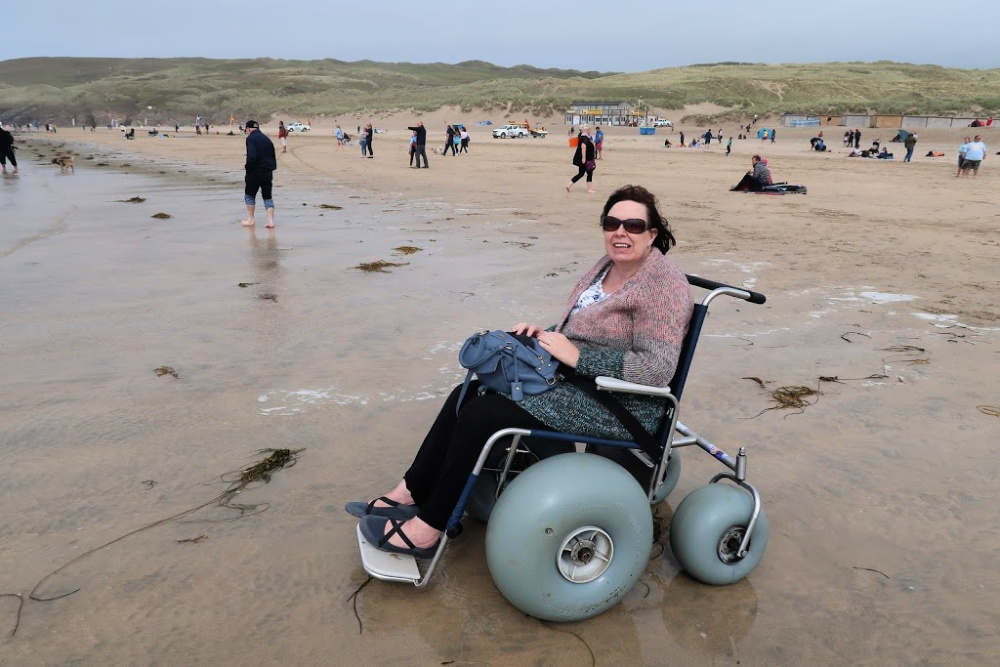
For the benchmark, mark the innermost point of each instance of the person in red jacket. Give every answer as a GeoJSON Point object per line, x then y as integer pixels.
{"type": "Point", "coordinates": [283, 135]}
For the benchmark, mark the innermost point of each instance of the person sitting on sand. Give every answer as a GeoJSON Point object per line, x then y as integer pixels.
{"type": "Point", "coordinates": [756, 178]}
{"type": "Point", "coordinates": [626, 317]}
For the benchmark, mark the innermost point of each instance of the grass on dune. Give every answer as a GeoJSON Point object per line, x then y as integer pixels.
{"type": "Point", "coordinates": [179, 89]}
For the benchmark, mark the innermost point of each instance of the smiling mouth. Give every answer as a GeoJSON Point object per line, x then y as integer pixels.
{"type": "Point", "coordinates": [622, 246]}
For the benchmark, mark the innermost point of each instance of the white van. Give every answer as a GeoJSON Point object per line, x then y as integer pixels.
{"type": "Point", "coordinates": [663, 122]}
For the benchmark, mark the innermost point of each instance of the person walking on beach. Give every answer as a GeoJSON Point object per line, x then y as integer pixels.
{"type": "Point", "coordinates": [729, 146]}
{"type": "Point", "coordinates": [339, 134]}
{"type": "Point", "coordinates": [283, 135]}
{"type": "Point", "coordinates": [857, 138]}
{"type": "Point", "coordinates": [682, 137]}
{"type": "Point", "coordinates": [421, 145]}
{"type": "Point", "coordinates": [449, 142]}
{"type": "Point", "coordinates": [975, 153]}
{"type": "Point", "coordinates": [7, 150]}
{"type": "Point", "coordinates": [370, 139]}
{"type": "Point", "coordinates": [599, 142]}
{"type": "Point", "coordinates": [910, 143]}
{"type": "Point", "coordinates": [583, 159]}
{"type": "Point", "coordinates": [463, 135]}
{"type": "Point", "coordinates": [961, 155]}
{"type": "Point", "coordinates": [413, 146]}
{"type": "Point", "coordinates": [773, 132]}
{"type": "Point", "coordinates": [260, 166]}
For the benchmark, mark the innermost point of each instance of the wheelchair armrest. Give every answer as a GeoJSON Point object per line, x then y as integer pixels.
{"type": "Point", "coordinates": [614, 384]}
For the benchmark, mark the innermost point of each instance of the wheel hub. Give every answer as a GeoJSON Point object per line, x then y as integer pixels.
{"type": "Point", "coordinates": [729, 545]}
{"type": "Point", "coordinates": [584, 554]}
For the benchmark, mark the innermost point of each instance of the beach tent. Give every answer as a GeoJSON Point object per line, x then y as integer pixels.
{"type": "Point", "coordinates": [901, 135]}
{"type": "Point", "coordinates": [761, 131]}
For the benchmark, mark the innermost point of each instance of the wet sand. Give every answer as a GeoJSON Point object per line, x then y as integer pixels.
{"type": "Point", "coordinates": [881, 503]}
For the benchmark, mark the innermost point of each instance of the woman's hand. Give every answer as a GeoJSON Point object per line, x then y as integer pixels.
{"type": "Point", "coordinates": [526, 329]}
{"type": "Point", "coordinates": [560, 347]}
{"type": "Point", "coordinates": [556, 344]}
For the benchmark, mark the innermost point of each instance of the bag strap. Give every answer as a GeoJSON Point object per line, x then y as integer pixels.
{"type": "Point", "coordinates": [642, 437]}
{"type": "Point", "coordinates": [465, 388]}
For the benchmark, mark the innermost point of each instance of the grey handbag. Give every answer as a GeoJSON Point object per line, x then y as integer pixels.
{"type": "Point", "coordinates": [508, 364]}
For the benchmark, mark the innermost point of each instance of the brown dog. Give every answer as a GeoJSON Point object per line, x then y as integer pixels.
{"type": "Point", "coordinates": [65, 163]}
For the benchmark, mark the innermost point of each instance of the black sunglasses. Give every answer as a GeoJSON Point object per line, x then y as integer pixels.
{"type": "Point", "coordinates": [632, 225]}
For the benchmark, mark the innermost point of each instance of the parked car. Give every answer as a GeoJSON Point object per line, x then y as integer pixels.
{"type": "Point", "coordinates": [663, 122]}
{"type": "Point", "coordinates": [297, 127]}
{"type": "Point", "coordinates": [512, 131]}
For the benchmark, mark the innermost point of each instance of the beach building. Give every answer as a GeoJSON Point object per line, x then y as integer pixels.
{"type": "Point", "coordinates": [603, 113]}
{"type": "Point", "coordinates": [891, 121]}
{"type": "Point", "coordinates": [857, 120]}
{"type": "Point", "coordinates": [799, 120]}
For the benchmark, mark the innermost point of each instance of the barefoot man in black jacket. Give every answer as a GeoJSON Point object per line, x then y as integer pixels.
{"type": "Point", "coordinates": [260, 167]}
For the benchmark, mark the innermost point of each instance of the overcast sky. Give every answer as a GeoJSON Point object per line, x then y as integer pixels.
{"type": "Point", "coordinates": [584, 34]}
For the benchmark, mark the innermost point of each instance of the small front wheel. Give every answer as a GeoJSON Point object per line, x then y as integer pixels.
{"type": "Point", "coordinates": [706, 532]}
{"type": "Point", "coordinates": [569, 537]}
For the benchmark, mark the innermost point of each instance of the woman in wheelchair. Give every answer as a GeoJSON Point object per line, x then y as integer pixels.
{"type": "Point", "coordinates": [626, 318]}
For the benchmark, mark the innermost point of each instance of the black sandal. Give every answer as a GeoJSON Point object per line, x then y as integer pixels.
{"type": "Point", "coordinates": [373, 530]}
{"type": "Point", "coordinates": [394, 510]}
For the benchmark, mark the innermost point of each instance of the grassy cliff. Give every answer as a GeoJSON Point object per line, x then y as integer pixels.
{"type": "Point", "coordinates": [178, 89]}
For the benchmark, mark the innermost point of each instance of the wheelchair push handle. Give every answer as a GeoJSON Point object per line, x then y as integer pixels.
{"type": "Point", "coordinates": [705, 283]}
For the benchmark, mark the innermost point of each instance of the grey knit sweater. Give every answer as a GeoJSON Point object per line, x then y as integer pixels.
{"type": "Point", "coordinates": [634, 334]}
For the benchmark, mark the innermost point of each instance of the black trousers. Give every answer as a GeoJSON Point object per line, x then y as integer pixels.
{"type": "Point", "coordinates": [449, 452]}
{"type": "Point", "coordinates": [449, 144]}
{"type": "Point", "coordinates": [583, 170]}
{"type": "Point", "coordinates": [748, 182]}
{"type": "Point", "coordinates": [258, 179]}
{"type": "Point", "coordinates": [7, 153]}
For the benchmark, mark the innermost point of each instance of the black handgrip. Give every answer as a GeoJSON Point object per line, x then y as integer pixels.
{"type": "Point", "coordinates": [705, 283]}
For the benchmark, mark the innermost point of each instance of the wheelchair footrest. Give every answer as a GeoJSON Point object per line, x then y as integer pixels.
{"type": "Point", "coordinates": [386, 566]}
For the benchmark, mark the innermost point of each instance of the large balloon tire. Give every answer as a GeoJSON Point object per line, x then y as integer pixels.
{"type": "Point", "coordinates": [483, 496]}
{"type": "Point", "coordinates": [537, 521]}
{"type": "Point", "coordinates": [706, 529]}
{"type": "Point", "coordinates": [671, 479]}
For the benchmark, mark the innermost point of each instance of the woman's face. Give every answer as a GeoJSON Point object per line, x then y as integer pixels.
{"type": "Point", "coordinates": [622, 246]}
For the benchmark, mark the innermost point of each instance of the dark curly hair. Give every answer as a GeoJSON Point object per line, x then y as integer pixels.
{"type": "Point", "coordinates": [664, 238]}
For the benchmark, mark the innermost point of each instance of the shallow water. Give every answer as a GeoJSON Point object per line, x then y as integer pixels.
{"type": "Point", "coordinates": [883, 522]}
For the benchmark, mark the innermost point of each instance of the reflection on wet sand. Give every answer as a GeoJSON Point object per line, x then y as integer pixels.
{"type": "Point", "coordinates": [707, 620]}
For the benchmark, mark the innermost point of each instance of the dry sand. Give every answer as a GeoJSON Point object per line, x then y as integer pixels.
{"type": "Point", "coordinates": [882, 503]}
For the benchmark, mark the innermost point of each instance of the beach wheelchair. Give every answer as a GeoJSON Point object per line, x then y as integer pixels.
{"type": "Point", "coordinates": [569, 517]}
